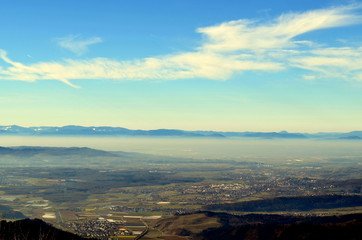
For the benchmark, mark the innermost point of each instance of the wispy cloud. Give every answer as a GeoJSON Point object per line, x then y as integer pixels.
{"type": "Point", "coordinates": [182, 66]}
{"type": "Point", "coordinates": [227, 48]}
{"type": "Point", "coordinates": [276, 34]}
{"type": "Point", "coordinates": [77, 44]}
{"type": "Point", "coordinates": [343, 63]}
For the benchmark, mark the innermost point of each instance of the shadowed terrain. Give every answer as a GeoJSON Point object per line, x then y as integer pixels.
{"type": "Point", "coordinates": [33, 229]}
{"type": "Point", "coordinates": [216, 226]}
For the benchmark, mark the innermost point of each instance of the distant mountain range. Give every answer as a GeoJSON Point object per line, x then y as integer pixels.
{"type": "Point", "coordinates": [73, 130]}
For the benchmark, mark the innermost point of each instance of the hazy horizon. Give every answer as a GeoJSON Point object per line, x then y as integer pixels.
{"type": "Point", "coordinates": [229, 148]}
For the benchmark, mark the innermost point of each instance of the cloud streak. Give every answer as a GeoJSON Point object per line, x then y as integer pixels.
{"type": "Point", "coordinates": [76, 44]}
{"type": "Point", "coordinates": [183, 66]}
{"type": "Point", "coordinates": [343, 63]}
{"type": "Point", "coordinates": [227, 48]}
{"type": "Point", "coordinates": [276, 34]}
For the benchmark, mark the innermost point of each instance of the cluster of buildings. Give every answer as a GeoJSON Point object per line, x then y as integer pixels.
{"type": "Point", "coordinates": [100, 228]}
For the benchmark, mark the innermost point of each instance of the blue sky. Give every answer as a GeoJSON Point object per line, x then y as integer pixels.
{"type": "Point", "coordinates": [193, 65]}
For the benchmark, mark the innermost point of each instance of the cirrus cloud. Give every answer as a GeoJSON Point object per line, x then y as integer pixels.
{"type": "Point", "coordinates": [182, 66]}
{"type": "Point", "coordinates": [276, 34]}
{"type": "Point", "coordinates": [227, 48]}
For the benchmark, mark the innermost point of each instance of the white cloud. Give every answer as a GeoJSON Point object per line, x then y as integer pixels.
{"type": "Point", "coordinates": [341, 51]}
{"type": "Point", "coordinates": [277, 34]}
{"type": "Point", "coordinates": [76, 44]}
{"type": "Point", "coordinates": [182, 66]}
{"type": "Point", "coordinates": [343, 63]}
{"type": "Point", "coordinates": [228, 48]}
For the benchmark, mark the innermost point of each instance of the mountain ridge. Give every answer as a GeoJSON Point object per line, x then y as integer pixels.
{"type": "Point", "coordinates": [74, 130]}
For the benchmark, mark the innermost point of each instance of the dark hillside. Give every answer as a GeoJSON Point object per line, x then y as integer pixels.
{"type": "Point", "coordinates": [304, 203]}
{"type": "Point", "coordinates": [219, 226]}
{"type": "Point", "coordinates": [351, 230]}
{"type": "Point", "coordinates": [33, 229]}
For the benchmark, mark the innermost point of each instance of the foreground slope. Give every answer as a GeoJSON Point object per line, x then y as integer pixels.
{"type": "Point", "coordinates": [33, 229]}
{"type": "Point", "coordinates": [218, 226]}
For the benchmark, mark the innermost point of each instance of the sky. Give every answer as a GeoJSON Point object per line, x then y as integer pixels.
{"type": "Point", "coordinates": [226, 65]}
